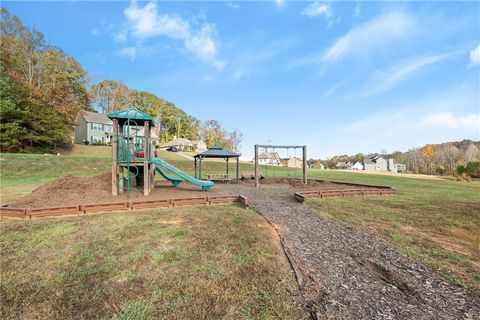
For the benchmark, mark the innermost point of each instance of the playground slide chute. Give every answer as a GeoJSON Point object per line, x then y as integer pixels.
{"type": "Point", "coordinates": [205, 184]}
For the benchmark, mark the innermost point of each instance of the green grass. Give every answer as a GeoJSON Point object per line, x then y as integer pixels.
{"type": "Point", "coordinates": [183, 263]}
{"type": "Point", "coordinates": [436, 221]}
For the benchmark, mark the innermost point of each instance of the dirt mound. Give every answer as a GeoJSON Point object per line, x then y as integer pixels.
{"type": "Point", "coordinates": [68, 190]}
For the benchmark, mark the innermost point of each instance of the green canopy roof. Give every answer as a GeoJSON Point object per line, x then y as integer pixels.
{"type": "Point", "coordinates": [217, 152]}
{"type": "Point", "coordinates": [133, 114]}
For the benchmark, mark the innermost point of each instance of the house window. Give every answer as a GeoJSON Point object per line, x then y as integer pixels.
{"type": "Point", "coordinates": [108, 128]}
{"type": "Point", "coordinates": [96, 126]}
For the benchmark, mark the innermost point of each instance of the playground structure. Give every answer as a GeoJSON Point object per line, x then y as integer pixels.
{"type": "Point", "coordinates": [133, 156]}
{"type": "Point", "coordinates": [274, 148]}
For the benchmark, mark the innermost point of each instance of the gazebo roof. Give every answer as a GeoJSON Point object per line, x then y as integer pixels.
{"type": "Point", "coordinates": [217, 152]}
{"type": "Point", "coordinates": [132, 114]}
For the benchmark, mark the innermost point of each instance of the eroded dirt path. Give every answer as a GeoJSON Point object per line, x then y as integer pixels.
{"type": "Point", "coordinates": [347, 274]}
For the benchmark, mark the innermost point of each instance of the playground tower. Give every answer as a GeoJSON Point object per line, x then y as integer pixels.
{"type": "Point", "coordinates": [132, 152]}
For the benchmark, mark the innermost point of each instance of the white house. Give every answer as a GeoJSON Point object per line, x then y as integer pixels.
{"type": "Point", "coordinates": [357, 166]}
{"type": "Point", "coordinates": [269, 159]}
{"type": "Point", "coordinates": [199, 145]}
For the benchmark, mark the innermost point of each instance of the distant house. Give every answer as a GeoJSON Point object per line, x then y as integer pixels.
{"type": "Point", "coordinates": [199, 146]}
{"type": "Point", "coordinates": [182, 144]}
{"type": "Point", "coordinates": [269, 159]}
{"type": "Point", "coordinates": [401, 168]}
{"type": "Point", "coordinates": [375, 163]}
{"type": "Point", "coordinates": [358, 166]}
{"type": "Point", "coordinates": [92, 127]}
{"type": "Point", "coordinates": [293, 162]}
{"type": "Point", "coordinates": [349, 165]}
{"type": "Point", "coordinates": [378, 163]}
{"type": "Point", "coordinates": [341, 165]}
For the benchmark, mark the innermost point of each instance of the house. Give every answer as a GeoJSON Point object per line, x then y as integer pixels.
{"type": "Point", "coordinates": [92, 127]}
{"type": "Point", "coordinates": [378, 163]}
{"type": "Point", "coordinates": [401, 168]}
{"type": "Point", "coordinates": [199, 146]}
{"type": "Point", "coordinates": [269, 159]}
{"type": "Point", "coordinates": [358, 166]}
{"type": "Point", "coordinates": [375, 163]}
{"type": "Point", "coordinates": [341, 165]}
{"type": "Point", "coordinates": [349, 165]}
{"type": "Point", "coordinates": [182, 144]}
{"type": "Point", "coordinates": [293, 162]}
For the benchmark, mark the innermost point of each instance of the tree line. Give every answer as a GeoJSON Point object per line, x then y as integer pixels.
{"type": "Point", "coordinates": [43, 90]}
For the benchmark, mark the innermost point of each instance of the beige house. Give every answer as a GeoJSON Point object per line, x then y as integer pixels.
{"type": "Point", "coordinates": [183, 144]}
{"type": "Point", "coordinates": [293, 162]}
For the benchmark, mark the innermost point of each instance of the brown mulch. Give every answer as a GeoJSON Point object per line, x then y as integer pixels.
{"type": "Point", "coordinates": [348, 274]}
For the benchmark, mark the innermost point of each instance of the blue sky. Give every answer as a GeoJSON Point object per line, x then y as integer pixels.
{"type": "Point", "coordinates": [339, 76]}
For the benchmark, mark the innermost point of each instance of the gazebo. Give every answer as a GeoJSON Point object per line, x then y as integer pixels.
{"type": "Point", "coordinates": [218, 153]}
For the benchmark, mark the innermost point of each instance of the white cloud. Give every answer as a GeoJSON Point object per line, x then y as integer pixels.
{"type": "Point", "coordinates": [129, 52]}
{"type": "Point", "coordinates": [280, 3]}
{"type": "Point", "coordinates": [385, 81]}
{"type": "Point", "coordinates": [375, 34]}
{"type": "Point", "coordinates": [120, 36]}
{"type": "Point", "coordinates": [318, 8]}
{"type": "Point", "coordinates": [475, 56]}
{"type": "Point", "coordinates": [448, 120]}
{"type": "Point", "coordinates": [200, 40]}
{"type": "Point", "coordinates": [234, 5]}
{"type": "Point", "coordinates": [357, 10]}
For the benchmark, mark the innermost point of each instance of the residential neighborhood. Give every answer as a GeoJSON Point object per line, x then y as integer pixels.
{"type": "Point", "coordinates": [373, 163]}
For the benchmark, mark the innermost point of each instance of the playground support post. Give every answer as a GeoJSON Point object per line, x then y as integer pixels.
{"type": "Point", "coordinates": [256, 167]}
{"type": "Point", "coordinates": [146, 156]}
{"type": "Point", "coordinates": [114, 158]}
{"type": "Point", "coordinates": [304, 156]}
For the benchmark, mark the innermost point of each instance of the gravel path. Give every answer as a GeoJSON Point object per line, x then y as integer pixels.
{"type": "Point", "coordinates": [347, 274]}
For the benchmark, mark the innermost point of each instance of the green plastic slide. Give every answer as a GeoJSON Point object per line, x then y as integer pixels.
{"type": "Point", "coordinates": [205, 184]}
{"type": "Point", "coordinates": [175, 181]}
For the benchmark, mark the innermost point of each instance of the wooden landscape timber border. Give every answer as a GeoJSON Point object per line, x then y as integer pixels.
{"type": "Point", "coordinates": [300, 196]}
{"type": "Point", "coordinates": [119, 207]}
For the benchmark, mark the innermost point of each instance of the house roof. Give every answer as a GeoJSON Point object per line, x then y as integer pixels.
{"type": "Point", "coordinates": [177, 142]}
{"type": "Point", "coordinates": [269, 156]}
{"type": "Point", "coordinates": [131, 114]}
{"type": "Point", "coordinates": [96, 117]}
{"type": "Point", "coordinates": [341, 164]}
{"type": "Point", "coordinates": [217, 152]}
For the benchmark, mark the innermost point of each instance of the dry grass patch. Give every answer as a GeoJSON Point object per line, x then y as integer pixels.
{"type": "Point", "coordinates": [183, 263]}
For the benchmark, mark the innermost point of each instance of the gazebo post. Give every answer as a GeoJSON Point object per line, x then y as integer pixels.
{"type": "Point", "coordinates": [237, 169]}
{"type": "Point", "coordinates": [195, 160]}
{"type": "Point", "coordinates": [227, 165]}
{"type": "Point", "coordinates": [200, 169]}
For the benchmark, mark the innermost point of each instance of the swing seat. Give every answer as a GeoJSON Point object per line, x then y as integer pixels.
{"type": "Point", "coordinates": [246, 175]}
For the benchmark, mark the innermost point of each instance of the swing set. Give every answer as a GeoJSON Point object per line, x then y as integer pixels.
{"type": "Point", "coordinates": [275, 161]}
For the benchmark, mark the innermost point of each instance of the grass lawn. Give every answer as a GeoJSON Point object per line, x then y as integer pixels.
{"type": "Point", "coordinates": [436, 221]}
{"type": "Point", "coordinates": [184, 263]}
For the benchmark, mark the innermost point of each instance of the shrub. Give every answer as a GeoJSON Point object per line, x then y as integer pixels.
{"type": "Point", "coordinates": [473, 169]}
{"type": "Point", "coordinates": [461, 169]}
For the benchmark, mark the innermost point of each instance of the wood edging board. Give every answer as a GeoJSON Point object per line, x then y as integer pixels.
{"type": "Point", "coordinates": [119, 207]}
{"type": "Point", "coordinates": [300, 196]}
